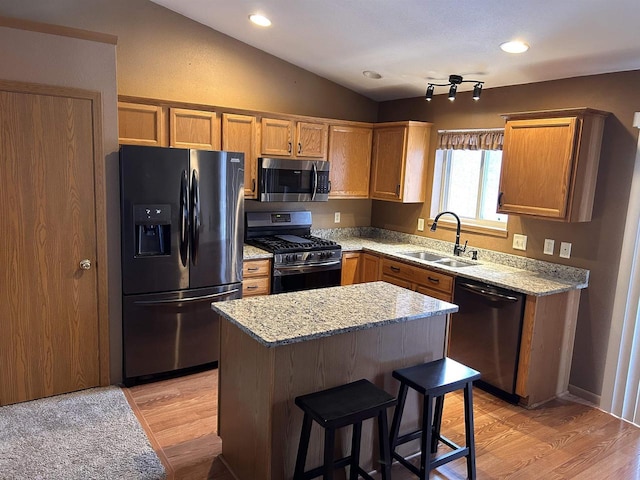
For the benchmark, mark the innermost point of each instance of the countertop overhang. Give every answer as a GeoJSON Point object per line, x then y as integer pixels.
{"type": "Point", "coordinates": [293, 317]}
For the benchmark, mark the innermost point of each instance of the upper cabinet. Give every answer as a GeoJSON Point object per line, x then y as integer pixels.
{"type": "Point", "coordinates": [297, 139]}
{"type": "Point", "coordinates": [399, 161]}
{"type": "Point", "coordinates": [240, 134]}
{"type": "Point", "coordinates": [140, 124]}
{"type": "Point", "coordinates": [350, 160]}
{"type": "Point", "coordinates": [193, 129]}
{"type": "Point", "coordinates": [550, 163]}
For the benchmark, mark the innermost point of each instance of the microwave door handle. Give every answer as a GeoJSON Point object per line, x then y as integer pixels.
{"type": "Point", "coordinates": [314, 182]}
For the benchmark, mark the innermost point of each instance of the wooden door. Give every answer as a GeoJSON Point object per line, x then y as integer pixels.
{"type": "Point", "coordinates": [537, 165]}
{"type": "Point", "coordinates": [387, 162]}
{"type": "Point", "coordinates": [350, 157]}
{"type": "Point", "coordinates": [194, 129]}
{"type": "Point", "coordinates": [141, 125]}
{"type": "Point", "coordinates": [240, 134]}
{"type": "Point", "coordinates": [312, 139]}
{"type": "Point", "coordinates": [50, 342]}
{"type": "Point", "coordinates": [276, 137]}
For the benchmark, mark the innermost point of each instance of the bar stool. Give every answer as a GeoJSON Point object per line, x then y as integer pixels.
{"type": "Point", "coordinates": [434, 380]}
{"type": "Point", "coordinates": [338, 407]}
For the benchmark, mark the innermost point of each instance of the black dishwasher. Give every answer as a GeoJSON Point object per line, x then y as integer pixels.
{"type": "Point", "coordinates": [485, 334]}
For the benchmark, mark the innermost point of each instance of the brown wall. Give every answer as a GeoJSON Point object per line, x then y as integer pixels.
{"type": "Point", "coordinates": [596, 245]}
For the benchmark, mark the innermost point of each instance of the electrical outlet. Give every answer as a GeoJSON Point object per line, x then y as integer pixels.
{"type": "Point", "coordinates": [421, 224]}
{"type": "Point", "coordinates": [336, 217]}
{"type": "Point", "coordinates": [519, 242]}
{"type": "Point", "coordinates": [565, 250]}
{"type": "Point", "coordinates": [548, 246]}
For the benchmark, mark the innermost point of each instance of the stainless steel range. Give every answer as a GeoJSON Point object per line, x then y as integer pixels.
{"type": "Point", "coordinates": [300, 260]}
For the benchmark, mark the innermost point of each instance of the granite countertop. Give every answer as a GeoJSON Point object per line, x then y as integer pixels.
{"type": "Point", "coordinates": [517, 273]}
{"type": "Point", "coordinates": [285, 318]}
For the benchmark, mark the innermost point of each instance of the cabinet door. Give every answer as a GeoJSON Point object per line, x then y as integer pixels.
{"type": "Point", "coordinates": [397, 281]}
{"type": "Point", "coordinates": [350, 158]}
{"type": "Point", "coordinates": [311, 139]}
{"type": "Point", "coordinates": [387, 162]}
{"type": "Point", "coordinates": [370, 268]}
{"type": "Point", "coordinates": [140, 125]}
{"type": "Point", "coordinates": [433, 293]}
{"type": "Point", "coordinates": [537, 165]}
{"type": "Point", "coordinates": [350, 268]}
{"type": "Point", "coordinates": [240, 134]}
{"type": "Point", "coordinates": [193, 129]}
{"type": "Point", "coordinates": [276, 137]}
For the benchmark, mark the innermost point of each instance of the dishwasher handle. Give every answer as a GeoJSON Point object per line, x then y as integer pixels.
{"type": "Point", "coordinates": [487, 293]}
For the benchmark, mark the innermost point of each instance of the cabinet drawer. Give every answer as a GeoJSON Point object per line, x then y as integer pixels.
{"type": "Point", "coordinates": [397, 281]}
{"type": "Point", "coordinates": [255, 286]}
{"type": "Point", "coordinates": [398, 269]}
{"type": "Point", "coordinates": [256, 268]}
{"type": "Point", "coordinates": [434, 280]}
{"type": "Point", "coordinates": [446, 297]}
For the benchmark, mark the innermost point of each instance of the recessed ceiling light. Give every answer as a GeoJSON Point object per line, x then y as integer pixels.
{"type": "Point", "coordinates": [372, 74]}
{"type": "Point", "coordinates": [260, 20]}
{"type": "Point", "coordinates": [514, 47]}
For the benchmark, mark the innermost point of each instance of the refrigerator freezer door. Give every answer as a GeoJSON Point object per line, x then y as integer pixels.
{"type": "Point", "coordinates": [172, 331]}
{"type": "Point", "coordinates": [217, 226]}
{"type": "Point", "coordinates": [154, 198]}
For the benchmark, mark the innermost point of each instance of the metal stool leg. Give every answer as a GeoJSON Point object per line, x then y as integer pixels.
{"type": "Point", "coordinates": [468, 430]}
{"type": "Point", "coordinates": [303, 447]}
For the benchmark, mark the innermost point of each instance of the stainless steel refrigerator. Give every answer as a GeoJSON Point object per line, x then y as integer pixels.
{"type": "Point", "coordinates": [182, 236]}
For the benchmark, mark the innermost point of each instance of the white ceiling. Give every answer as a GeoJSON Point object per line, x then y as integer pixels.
{"type": "Point", "coordinates": [412, 42]}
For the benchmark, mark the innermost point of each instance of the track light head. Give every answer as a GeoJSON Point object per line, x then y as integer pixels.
{"type": "Point", "coordinates": [452, 92]}
{"type": "Point", "coordinates": [429, 94]}
{"type": "Point", "coordinates": [477, 91]}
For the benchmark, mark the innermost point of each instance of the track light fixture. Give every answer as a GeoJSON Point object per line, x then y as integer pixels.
{"type": "Point", "coordinates": [454, 81]}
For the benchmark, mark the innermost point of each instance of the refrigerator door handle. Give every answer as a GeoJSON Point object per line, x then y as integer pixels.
{"type": "Point", "coordinates": [195, 217]}
{"type": "Point", "coordinates": [188, 299]}
{"type": "Point", "coordinates": [184, 217]}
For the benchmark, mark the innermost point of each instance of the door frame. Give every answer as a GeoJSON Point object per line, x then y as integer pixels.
{"type": "Point", "coordinates": [99, 180]}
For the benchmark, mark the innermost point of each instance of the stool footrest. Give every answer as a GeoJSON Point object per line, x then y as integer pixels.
{"type": "Point", "coordinates": [343, 462]}
{"type": "Point", "coordinates": [407, 437]}
{"type": "Point", "coordinates": [449, 456]}
{"type": "Point", "coordinates": [409, 466]}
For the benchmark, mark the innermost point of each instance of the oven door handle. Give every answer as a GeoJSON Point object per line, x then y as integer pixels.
{"type": "Point", "coordinates": [304, 268]}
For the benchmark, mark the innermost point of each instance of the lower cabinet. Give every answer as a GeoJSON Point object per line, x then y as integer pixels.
{"type": "Point", "coordinates": [256, 277]}
{"type": "Point", "coordinates": [420, 279]}
{"type": "Point", "coordinates": [359, 267]}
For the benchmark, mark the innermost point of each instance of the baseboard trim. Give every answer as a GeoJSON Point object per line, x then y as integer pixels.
{"type": "Point", "coordinates": [586, 395]}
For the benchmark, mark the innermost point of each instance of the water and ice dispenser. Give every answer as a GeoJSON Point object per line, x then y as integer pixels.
{"type": "Point", "coordinates": [152, 229]}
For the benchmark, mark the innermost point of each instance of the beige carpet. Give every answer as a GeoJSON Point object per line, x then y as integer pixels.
{"type": "Point", "coordinates": [87, 435]}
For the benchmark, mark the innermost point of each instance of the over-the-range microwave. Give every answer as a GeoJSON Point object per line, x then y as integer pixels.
{"type": "Point", "coordinates": [285, 180]}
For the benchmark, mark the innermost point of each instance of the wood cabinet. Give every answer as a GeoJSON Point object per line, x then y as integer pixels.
{"type": "Point", "coordinates": [550, 163]}
{"type": "Point", "coordinates": [296, 139]}
{"type": "Point", "coordinates": [350, 268]}
{"type": "Point", "coordinates": [370, 268]}
{"type": "Point", "coordinates": [399, 161]}
{"type": "Point", "coordinates": [350, 158]}
{"type": "Point", "coordinates": [240, 134]}
{"type": "Point", "coordinates": [140, 124]}
{"type": "Point", "coordinates": [256, 277]}
{"type": "Point", "coordinates": [194, 129]}
{"type": "Point", "coordinates": [420, 279]}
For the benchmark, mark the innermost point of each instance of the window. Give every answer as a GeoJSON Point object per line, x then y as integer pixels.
{"type": "Point", "coordinates": [469, 180]}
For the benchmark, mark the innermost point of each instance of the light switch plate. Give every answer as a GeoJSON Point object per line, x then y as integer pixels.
{"type": "Point", "coordinates": [336, 217]}
{"type": "Point", "coordinates": [565, 250]}
{"type": "Point", "coordinates": [549, 245]}
{"type": "Point", "coordinates": [421, 224]}
{"type": "Point", "coordinates": [519, 242]}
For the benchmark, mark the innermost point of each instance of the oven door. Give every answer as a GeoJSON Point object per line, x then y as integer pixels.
{"type": "Point", "coordinates": [284, 180]}
{"type": "Point", "coordinates": [306, 277]}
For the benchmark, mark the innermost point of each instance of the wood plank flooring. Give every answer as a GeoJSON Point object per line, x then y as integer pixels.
{"type": "Point", "coordinates": [561, 440]}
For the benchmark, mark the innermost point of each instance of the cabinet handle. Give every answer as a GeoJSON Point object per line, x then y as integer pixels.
{"type": "Point", "coordinates": [398, 190]}
{"type": "Point", "coordinates": [394, 269]}
{"type": "Point", "coordinates": [253, 269]}
{"type": "Point", "coordinates": [253, 185]}
{"type": "Point", "coordinates": [299, 148]}
{"type": "Point", "coordinates": [433, 280]}
{"type": "Point", "coordinates": [251, 287]}
{"type": "Point", "coordinates": [500, 199]}
{"type": "Point", "coordinates": [289, 147]}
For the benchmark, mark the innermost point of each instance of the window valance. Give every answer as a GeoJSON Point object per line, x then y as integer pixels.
{"type": "Point", "coordinates": [471, 139]}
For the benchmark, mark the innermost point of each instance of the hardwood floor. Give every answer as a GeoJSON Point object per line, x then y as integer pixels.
{"type": "Point", "coordinates": [561, 440]}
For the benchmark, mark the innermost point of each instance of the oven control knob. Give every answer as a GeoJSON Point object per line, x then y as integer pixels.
{"type": "Point", "coordinates": [311, 255]}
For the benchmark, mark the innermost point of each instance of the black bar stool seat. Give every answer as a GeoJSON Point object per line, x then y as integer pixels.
{"type": "Point", "coordinates": [338, 407]}
{"type": "Point", "coordinates": [433, 380]}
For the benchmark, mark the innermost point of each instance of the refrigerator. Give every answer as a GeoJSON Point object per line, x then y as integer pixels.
{"type": "Point", "coordinates": [182, 237]}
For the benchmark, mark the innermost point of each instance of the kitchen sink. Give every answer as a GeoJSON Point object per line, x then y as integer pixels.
{"type": "Point", "coordinates": [428, 256]}
{"type": "Point", "coordinates": [439, 259]}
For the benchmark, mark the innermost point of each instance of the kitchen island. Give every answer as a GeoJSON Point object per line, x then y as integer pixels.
{"type": "Point", "coordinates": [274, 348]}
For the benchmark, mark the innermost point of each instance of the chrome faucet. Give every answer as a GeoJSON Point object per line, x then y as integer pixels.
{"type": "Point", "coordinates": [457, 249]}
